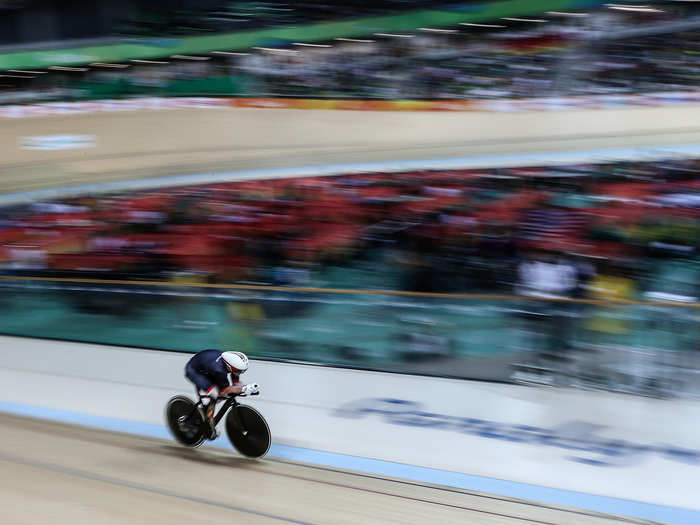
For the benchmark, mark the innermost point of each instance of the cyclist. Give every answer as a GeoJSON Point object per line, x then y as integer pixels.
{"type": "Point", "coordinates": [217, 374]}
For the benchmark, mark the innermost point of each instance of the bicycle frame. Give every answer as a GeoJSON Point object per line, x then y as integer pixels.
{"type": "Point", "coordinates": [219, 415]}
{"type": "Point", "coordinates": [229, 403]}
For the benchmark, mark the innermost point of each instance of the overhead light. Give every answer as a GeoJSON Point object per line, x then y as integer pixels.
{"type": "Point", "coordinates": [538, 20]}
{"type": "Point", "coordinates": [639, 9]}
{"type": "Point", "coordinates": [480, 25]}
{"type": "Point", "coordinates": [139, 61]}
{"type": "Point", "coordinates": [432, 30]}
{"type": "Point", "coordinates": [14, 76]}
{"type": "Point", "coordinates": [189, 57]}
{"type": "Point", "coordinates": [311, 45]}
{"type": "Point", "coordinates": [64, 68]}
{"type": "Point", "coordinates": [278, 50]}
{"type": "Point", "coordinates": [355, 40]}
{"type": "Point", "coordinates": [25, 71]}
{"type": "Point", "coordinates": [562, 13]}
{"type": "Point", "coordinates": [232, 53]}
{"type": "Point", "coordinates": [115, 66]}
{"type": "Point", "coordinates": [394, 35]}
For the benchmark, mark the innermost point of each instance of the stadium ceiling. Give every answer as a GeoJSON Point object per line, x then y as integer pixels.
{"type": "Point", "coordinates": [14, 4]}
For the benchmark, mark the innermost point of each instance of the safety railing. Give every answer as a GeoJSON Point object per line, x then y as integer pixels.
{"type": "Point", "coordinates": [643, 347]}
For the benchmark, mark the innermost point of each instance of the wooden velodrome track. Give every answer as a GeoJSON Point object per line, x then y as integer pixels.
{"type": "Point", "coordinates": [144, 144]}
{"type": "Point", "coordinates": [52, 473]}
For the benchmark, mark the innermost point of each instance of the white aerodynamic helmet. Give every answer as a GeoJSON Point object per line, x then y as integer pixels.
{"type": "Point", "coordinates": [236, 361]}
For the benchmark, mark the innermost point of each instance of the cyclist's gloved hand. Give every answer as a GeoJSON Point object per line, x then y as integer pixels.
{"type": "Point", "coordinates": [250, 390]}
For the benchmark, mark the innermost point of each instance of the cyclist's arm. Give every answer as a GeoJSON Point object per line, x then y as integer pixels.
{"type": "Point", "coordinates": [232, 390]}
{"type": "Point", "coordinates": [228, 385]}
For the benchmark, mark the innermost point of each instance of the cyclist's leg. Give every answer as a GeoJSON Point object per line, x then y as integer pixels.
{"type": "Point", "coordinates": [204, 385]}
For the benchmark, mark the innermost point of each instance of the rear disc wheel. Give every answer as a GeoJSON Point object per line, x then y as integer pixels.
{"type": "Point", "coordinates": [185, 421]}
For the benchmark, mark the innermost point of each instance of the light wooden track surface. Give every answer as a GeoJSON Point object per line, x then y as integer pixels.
{"type": "Point", "coordinates": [54, 473]}
{"type": "Point", "coordinates": [143, 144]}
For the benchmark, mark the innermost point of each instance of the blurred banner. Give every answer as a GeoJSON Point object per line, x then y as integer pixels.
{"type": "Point", "coordinates": [161, 103]}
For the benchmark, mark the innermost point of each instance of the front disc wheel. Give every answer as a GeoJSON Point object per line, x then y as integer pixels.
{"type": "Point", "coordinates": [248, 431]}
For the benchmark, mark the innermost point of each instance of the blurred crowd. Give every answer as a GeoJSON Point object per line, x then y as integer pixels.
{"type": "Point", "coordinates": [603, 52]}
{"type": "Point", "coordinates": [613, 231]}
{"type": "Point", "coordinates": [550, 252]}
{"type": "Point", "coordinates": [553, 58]}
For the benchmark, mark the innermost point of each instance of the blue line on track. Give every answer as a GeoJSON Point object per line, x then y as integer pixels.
{"type": "Point", "coordinates": [636, 509]}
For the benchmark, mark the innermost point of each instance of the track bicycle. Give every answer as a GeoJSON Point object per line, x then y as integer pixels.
{"type": "Point", "coordinates": [246, 428]}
